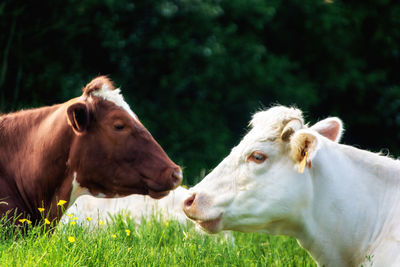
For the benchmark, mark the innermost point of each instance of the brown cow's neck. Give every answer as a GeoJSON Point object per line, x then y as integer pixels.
{"type": "Point", "coordinates": [31, 136]}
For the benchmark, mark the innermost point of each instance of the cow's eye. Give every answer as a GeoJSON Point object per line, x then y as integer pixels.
{"type": "Point", "coordinates": [257, 157]}
{"type": "Point", "coordinates": [118, 126]}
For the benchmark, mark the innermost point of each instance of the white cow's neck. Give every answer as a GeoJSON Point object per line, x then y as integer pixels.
{"type": "Point", "coordinates": [355, 205]}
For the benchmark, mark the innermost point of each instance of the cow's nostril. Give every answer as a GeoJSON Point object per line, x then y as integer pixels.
{"type": "Point", "coordinates": [176, 178]}
{"type": "Point", "coordinates": [189, 201]}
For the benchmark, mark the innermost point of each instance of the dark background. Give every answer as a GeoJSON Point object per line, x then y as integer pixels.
{"type": "Point", "coordinates": [195, 71]}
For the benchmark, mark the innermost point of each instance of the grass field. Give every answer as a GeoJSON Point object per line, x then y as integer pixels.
{"type": "Point", "coordinates": [152, 243]}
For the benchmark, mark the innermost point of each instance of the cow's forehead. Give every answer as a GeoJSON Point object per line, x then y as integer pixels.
{"type": "Point", "coordinates": [262, 133]}
{"type": "Point", "coordinates": [114, 96]}
{"type": "Point", "coordinates": [255, 139]}
{"type": "Point", "coordinates": [275, 117]}
{"type": "Point", "coordinates": [267, 125]}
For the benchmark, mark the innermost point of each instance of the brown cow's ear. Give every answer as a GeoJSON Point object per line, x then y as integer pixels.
{"type": "Point", "coordinates": [303, 148]}
{"type": "Point", "coordinates": [78, 117]}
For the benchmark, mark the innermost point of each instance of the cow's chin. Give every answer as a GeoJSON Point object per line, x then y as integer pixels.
{"type": "Point", "coordinates": [211, 226]}
{"type": "Point", "coordinates": [158, 195]}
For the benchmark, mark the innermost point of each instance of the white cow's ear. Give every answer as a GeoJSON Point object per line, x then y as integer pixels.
{"type": "Point", "coordinates": [303, 148]}
{"type": "Point", "coordinates": [331, 128]}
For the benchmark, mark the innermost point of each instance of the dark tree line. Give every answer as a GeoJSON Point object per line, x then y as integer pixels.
{"type": "Point", "coordinates": [194, 71]}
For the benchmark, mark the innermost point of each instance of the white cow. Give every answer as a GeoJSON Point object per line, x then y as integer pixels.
{"type": "Point", "coordinates": [135, 206]}
{"type": "Point", "coordinates": [341, 203]}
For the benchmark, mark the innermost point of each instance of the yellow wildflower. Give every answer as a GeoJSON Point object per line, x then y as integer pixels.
{"type": "Point", "coordinates": [70, 215]}
{"type": "Point", "coordinates": [72, 223]}
{"type": "Point", "coordinates": [46, 221]}
{"type": "Point", "coordinates": [41, 209]}
{"type": "Point", "coordinates": [166, 223]}
{"type": "Point", "coordinates": [71, 239]}
{"type": "Point", "coordinates": [101, 222]}
{"type": "Point", "coordinates": [75, 218]}
{"type": "Point", "coordinates": [25, 220]}
{"type": "Point", "coordinates": [128, 232]}
{"type": "Point", "coordinates": [89, 219]}
{"type": "Point", "coordinates": [114, 236]}
{"type": "Point", "coordinates": [61, 202]}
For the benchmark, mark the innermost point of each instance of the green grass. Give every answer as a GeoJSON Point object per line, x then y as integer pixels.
{"type": "Point", "coordinates": [152, 243]}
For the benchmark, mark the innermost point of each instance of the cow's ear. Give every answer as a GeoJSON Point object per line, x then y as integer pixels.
{"type": "Point", "coordinates": [303, 147]}
{"type": "Point", "coordinates": [78, 117]}
{"type": "Point", "coordinates": [331, 128]}
{"type": "Point", "coordinates": [290, 128]}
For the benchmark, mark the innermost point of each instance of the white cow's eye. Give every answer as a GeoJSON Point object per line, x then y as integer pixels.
{"type": "Point", "coordinates": [257, 157]}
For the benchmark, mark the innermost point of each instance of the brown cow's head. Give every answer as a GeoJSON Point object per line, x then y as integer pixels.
{"type": "Point", "coordinates": [112, 153]}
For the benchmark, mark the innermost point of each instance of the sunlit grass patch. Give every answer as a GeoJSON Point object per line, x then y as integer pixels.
{"type": "Point", "coordinates": [153, 242]}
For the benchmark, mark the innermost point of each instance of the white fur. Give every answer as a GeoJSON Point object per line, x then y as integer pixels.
{"type": "Point", "coordinates": [77, 190]}
{"type": "Point", "coordinates": [114, 96]}
{"type": "Point", "coordinates": [343, 210]}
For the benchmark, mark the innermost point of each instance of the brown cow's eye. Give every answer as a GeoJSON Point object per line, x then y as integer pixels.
{"type": "Point", "coordinates": [257, 157]}
{"type": "Point", "coordinates": [119, 127]}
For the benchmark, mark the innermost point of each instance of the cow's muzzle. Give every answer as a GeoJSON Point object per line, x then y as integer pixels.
{"type": "Point", "coordinates": [193, 205]}
{"type": "Point", "coordinates": [176, 177]}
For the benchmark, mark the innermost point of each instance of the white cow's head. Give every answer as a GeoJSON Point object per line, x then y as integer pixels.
{"type": "Point", "coordinates": [264, 184]}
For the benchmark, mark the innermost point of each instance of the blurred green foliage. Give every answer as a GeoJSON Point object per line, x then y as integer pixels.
{"type": "Point", "coordinates": [195, 70]}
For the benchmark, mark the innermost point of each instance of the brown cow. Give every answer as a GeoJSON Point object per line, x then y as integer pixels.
{"type": "Point", "coordinates": [93, 144]}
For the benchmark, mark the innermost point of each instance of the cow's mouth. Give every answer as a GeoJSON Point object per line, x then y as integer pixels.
{"type": "Point", "coordinates": [212, 226]}
{"type": "Point", "coordinates": [154, 189]}
{"type": "Point", "coordinates": [158, 195]}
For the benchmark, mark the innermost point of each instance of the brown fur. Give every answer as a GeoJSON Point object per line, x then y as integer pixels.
{"type": "Point", "coordinates": [40, 151]}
